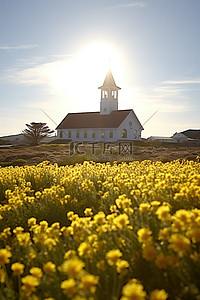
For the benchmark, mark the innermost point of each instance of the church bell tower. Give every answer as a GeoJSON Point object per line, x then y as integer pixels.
{"type": "Point", "coordinates": [109, 95]}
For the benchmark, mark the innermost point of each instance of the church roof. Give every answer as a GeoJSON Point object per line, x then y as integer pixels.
{"type": "Point", "coordinates": [94, 120]}
{"type": "Point", "coordinates": [109, 81]}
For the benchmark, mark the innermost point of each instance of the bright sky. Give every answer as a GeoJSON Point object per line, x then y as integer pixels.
{"type": "Point", "coordinates": [55, 53]}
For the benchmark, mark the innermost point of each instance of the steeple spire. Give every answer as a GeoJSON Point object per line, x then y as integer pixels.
{"type": "Point", "coordinates": [109, 94]}
{"type": "Point", "coordinates": [109, 81]}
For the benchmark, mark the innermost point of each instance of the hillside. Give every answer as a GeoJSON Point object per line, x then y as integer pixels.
{"type": "Point", "coordinates": [192, 133]}
{"type": "Point", "coordinates": [59, 153]}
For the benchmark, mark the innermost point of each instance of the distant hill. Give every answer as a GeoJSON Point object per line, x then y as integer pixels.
{"type": "Point", "coordinates": [15, 139]}
{"type": "Point", "coordinates": [192, 133]}
{"type": "Point", "coordinates": [18, 139]}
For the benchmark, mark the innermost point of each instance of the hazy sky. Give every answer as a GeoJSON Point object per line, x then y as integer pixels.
{"type": "Point", "coordinates": [55, 53]}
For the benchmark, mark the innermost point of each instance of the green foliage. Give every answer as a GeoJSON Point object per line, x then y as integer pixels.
{"type": "Point", "coordinates": [15, 162]}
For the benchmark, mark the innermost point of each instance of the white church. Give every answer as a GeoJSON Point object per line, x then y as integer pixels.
{"type": "Point", "coordinates": [108, 125]}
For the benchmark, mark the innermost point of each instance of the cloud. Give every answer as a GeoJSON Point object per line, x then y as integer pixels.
{"type": "Point", "coordinates": [133, 4]}
{"type": "Point", "coordinates": [167, 98]}
{"type": "Point", "coordinates": [21, 47]}
{"type": "Point", "coordinates": [163, 91]}
{"type": "Point", "coordinates": [58, 77]}
{"type": "Point", "coordinates": [193, 81]}
{"type": "Point", "coordinates": [32, 75]}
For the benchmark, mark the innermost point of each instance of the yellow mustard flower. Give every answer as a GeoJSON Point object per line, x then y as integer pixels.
{"type": "Point", "coordinates": [37, 272]}
{"type": "Point", "coordinates": [113, 208]}
{"type": "Point", "coordinates": [112, 256]}
{"type": "Point", "coordinates": [99, 218]}
{"type": "Point", "coordinates": [183, 215]}
{"type": "Point", "coordinates": [49, 243]}
{"type": "Point", "coordinates": [154, 204]}
{"type": "Point", "coordinates": [69, 287]}
{"type": "Point", "coordinates": [121, 221]}
{"type": "Point", "coordinates": [121, 242]}
{"type": "Point", "coordinates": [70, 254]}
{"type": "Point", "coordinates": [123, 202]}
{"type": "Point", "coordinates": [49, 268]}
{"type": "Point", "coordinates": [144, 234]}
{"type": "Point", "coordinates": [24, 239]}
{"type": "Point", "coordinates": [144, 207]}
{"type": "Point", "coordinates": [133, 290]}
{"type": "Point", "coordinates": [31, 255]}
{"type": "Point", "coordinates": [32, 222]}
{"type": "Point", "coordinates": [2, 276]}
{"type": "Point", "coordinates": [43, 225]}
{"type": "Point", "coordinates": [164, 234]}
{"type": "Point", "coordinates": [158, 295]}
{"type": "Point", "coordinates": [178, 225]}
{"type": "Point", "coordinates": [6, 233]}
{"type": "Point", "coordinates": [88, 212]}
{"type": "Point", "coordinates": [17, 268]}
{"type": "Point", "coordinates": [37, 194]}
{"type": "Point", "coordinates": [163, 213]}
{"type": "Point", "coordinates": [30, 283]}
{"type": "Point", "coordinates": [85, 250]}
{"type": "Point", "coordinates": [122, 266]}
{"type": "Point", "coordinates": [4, 256]}
{"type": "Point", "coordinates": [194, 234]}
{"type": "Point", "coordinates": [89, 282]}
{"type": "Point", "coordinates": [72, 267]}
{"type": "Point", "coordinates": [179, 243]}
{"type": "Point", "coordinates": [18, 230]}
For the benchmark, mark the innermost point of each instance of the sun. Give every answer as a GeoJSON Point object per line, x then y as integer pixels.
{"type": "Point", "coordinates": [80, 74]}
{"type": "Point", "coordinates": [97, 58]}
{"type": "Point", "coordinates": [90, 64]}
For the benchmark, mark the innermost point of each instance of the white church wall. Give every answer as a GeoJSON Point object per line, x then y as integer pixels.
{"type": "Point", "coordinates": [132, 126]}
{"type": "Point", "coordinates": [87, 135]}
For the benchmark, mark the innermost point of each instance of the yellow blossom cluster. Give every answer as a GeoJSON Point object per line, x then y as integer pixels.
{"type": "Point", "coordinates": [100, 231]}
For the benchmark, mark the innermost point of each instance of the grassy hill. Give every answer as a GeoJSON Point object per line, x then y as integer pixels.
{"type": "Point", "coordinates": [60, 154]}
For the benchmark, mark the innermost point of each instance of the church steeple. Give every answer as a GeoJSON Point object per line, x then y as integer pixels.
{"type": "Point", "coordinates": [109, 95]}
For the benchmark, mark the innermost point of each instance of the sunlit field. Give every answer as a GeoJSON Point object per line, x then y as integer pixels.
{"type": "Point", "coordinates": [126, 231]}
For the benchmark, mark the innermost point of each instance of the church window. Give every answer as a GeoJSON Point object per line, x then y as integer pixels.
{"type": "Point", "coordinates": [102, 134]}
{"type": "Point", "coordinates": [69, 134]}
{"type": "Point", "coordinates": [124, 133]}
{"type": "Point", "coordinates": [111, 134]}
{"type": "Point", "coordinates": [85, 134]}
{"type": "Point", "coordinates": [135, 134]}
{"type": "Point", "coordinates": [77, 134]}
{"type": "Point", "coordinates": [93, 134]}
{"type": "Point", "coordinates": [61, 134]}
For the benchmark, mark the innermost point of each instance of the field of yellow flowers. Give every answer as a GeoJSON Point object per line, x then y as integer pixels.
{"type": "Point", "coordinates": [125, 231]}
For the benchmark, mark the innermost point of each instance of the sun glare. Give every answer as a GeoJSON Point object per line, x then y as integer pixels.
{"type": "Point", "coordinates": [87, 68]}
{"type": "Point", "coordinates": [97, 58]}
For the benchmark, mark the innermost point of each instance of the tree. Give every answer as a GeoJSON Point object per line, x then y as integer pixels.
{"type": "Point", "coordinates": [36, 132]}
